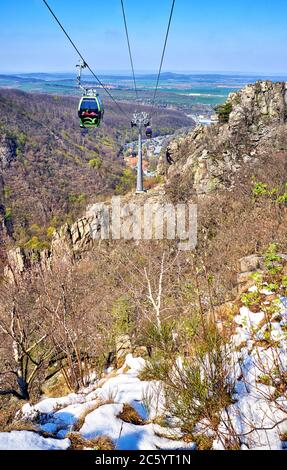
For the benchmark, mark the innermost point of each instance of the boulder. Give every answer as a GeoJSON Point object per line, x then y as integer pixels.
{"type": "Point", "coordinates": [123, 348]}
{"type": "Point", "coordinates": [250, 263]}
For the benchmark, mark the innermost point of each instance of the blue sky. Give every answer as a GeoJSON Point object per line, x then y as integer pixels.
{"type": "Point", "coordinates": [206, 35]}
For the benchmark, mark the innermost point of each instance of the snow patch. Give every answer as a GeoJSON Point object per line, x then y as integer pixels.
{"type": "Point", "coordinates": [26, 440]}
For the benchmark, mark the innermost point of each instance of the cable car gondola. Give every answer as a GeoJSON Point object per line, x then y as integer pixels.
{"type": "Point", "coordinates": [90, 111]}
{"type": "Point", "coordinates": [148, 132]}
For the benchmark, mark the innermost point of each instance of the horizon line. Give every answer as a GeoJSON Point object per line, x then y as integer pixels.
{"type": "Point", "coordinates": [147, 72]}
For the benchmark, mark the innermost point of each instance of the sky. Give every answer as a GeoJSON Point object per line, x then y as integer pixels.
{"type": "Point", "coordinates": [207, 35]}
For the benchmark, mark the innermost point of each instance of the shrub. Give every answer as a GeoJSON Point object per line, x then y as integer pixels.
{"type": "Point", "coordinates": [203, 442]}
{"type": "Point", "coordinates": [263, 190]}
{"type": "Point", "coordinates": [50, 232]}
{"type": "Point", "coordinates": [259, 189]}
{"type": "Point", "coordinates": [196, 387]}
{"type": "Point", "coordinates": [95, 163]}
{"type": "Point", "coordinates": [21, 140]}
{"type": "Point", "coordinates": [123, 314]}
{"type": "Point", "coordinates": [8, 215]}
{"type": "Point", "coordinates": [77, 198]}
{"type": "Point", "coordinates": [272, 260]}
{"type": "Point", "coordinates": [126, 182]}
{"type": "Point", "coordinates": [199, 388]}
{"type": "Point", "coordinates": [35, 243]}
{"type": "Point", "coordinates": [152, 182]}
{"type": "Point", "coordinates": [8, 410]}
{"type": "Point", "coordinates": [223, 111]}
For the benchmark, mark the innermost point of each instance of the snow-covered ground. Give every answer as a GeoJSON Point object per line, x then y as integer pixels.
{"type": "Point", "coordinates": [59, 415]}
{"type": "Point", "coordinates": [257, 416]}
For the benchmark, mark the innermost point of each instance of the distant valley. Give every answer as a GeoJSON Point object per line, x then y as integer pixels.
{"type": "Point", "coordinates": [191, 93]}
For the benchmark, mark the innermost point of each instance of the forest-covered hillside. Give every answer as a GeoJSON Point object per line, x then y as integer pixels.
{"type": "Point", "coordinates": [50, 171]}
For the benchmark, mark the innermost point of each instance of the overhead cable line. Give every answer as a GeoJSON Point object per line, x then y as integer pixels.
{"type": "Point", "coordinates": [84, 61]}
{"type": "Point", "coordinates": [129, 48]}
{"type": "Point", "coordinates": [163, 55]}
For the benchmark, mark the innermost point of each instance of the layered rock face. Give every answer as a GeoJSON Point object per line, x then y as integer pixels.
{"type": "Point", "coordinates": [67, 244]}
{"type": "Point", "coordinates": [256, 106]}
{"type": "Point", "coordinates": [71, 241]}
{"type": "Point", "coordinates": [208, 157]}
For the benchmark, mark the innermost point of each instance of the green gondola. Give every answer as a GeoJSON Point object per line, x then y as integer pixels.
{"type": "Point", "coordinates": [90, 111]}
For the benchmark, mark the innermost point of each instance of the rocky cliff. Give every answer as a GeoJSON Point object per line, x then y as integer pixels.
{"type": "Point", "coordinates": [68, 243]}
{"type": "Point", "coordinates": [7, 155]}
{"type": "Point", "coordinates": [7, 151]}
{"type": "Point", "coordinates": [208, 157]}
{"type": "Point", "coordinates": [72, 240]}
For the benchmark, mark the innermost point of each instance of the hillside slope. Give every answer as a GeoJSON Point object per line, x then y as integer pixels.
{"type": "Point", "coordinates": [50, 170]}
{"type": "Point", "coordinates": [213, 335]}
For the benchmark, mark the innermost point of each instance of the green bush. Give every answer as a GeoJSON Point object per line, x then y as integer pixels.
{"type": "Point", "coordinates": [262, 190]}
{"type": "Point", "coordinates": [196, 383]}
{"type": "Point", "coordinates": [126, 182]}
{"type": "Point", "coordinates": [123, 314]}
{"type": "Point", "coordinates": [95, 163]}
{"type": "Point", "coordinates": [7, 192]}
{"type": "Point", "coordinates": [50, 232]}
{"type": "Point", "coordinates": [77, 198]}
{"type": "Point", "coordinates": [223, 111]}
{"type": "Point", "coordinates": [36, 244]}
{"type": "Point", "coordinates": [8, 215]}
{"type": "Point", "coordinates": [21, 140]}
{"type": "Point", "coordinates": [272, 260]}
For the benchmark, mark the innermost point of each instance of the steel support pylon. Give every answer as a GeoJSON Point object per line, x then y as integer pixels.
{"type": "Point", "coordinates": [140, 121]}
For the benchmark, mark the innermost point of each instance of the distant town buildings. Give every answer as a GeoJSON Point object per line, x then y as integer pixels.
{"type": "Point", "coordinates": [151, 152]}
{"type": "Point", "coordinates": [205, 120]}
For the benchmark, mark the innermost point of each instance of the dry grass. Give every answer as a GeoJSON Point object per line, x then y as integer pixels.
{"type": "Point", "coordinates": [56, 387]}
{"type": "Point", "coordinates": [8, 410]}
{"type": "Point", "coordinates": [130, 415]}
{"type": "Point", "coordinates": [232, 445]}
{"type": "Point", "coordinates": [104, 443]}
{"type": "Point", "coordinates": [168, 435]}
{"type": "Point", "coordinates": [100, 443]}
{"type": "Point", "coordinates": [21, 426]}
{"type": "Point", "coordinates": [202, 442]}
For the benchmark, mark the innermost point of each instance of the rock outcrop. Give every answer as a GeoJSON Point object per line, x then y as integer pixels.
{"type": "Point", "coordinates": [3, 231]}
{"type": "Point", "coordinates": [7, 155]}
{"type": "Point", "coordinates": [68, 243]}
{"type": "Point", "coordinates": [257, 106]}
{"type": "Point", "coordinates": [208, 157]}
{"type": "Point", "coordinates": [73, 239]}
{"type": "Point", "coordinates": [7, 151]}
